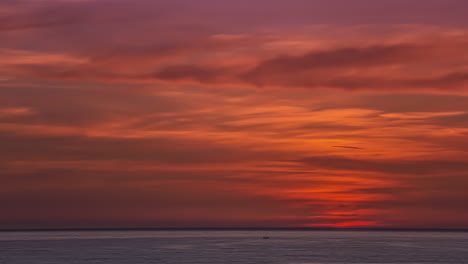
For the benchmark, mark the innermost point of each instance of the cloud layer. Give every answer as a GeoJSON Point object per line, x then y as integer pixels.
{"type": "Point", "coordinates": [170, 114]}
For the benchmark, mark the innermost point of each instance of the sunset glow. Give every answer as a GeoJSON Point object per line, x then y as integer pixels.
{"type": "Point", "coordinates": [120, 113]}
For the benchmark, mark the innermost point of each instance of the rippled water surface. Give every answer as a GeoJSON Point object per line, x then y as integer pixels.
{"type": "Point", "coordinates": [205, 247]}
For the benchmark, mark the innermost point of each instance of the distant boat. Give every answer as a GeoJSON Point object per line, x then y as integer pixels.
{"type": "Point", "coordinates": [266, 237]}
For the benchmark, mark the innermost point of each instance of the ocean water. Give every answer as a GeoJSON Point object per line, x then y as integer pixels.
{"type": "Point", "coordinates": [206, 247]}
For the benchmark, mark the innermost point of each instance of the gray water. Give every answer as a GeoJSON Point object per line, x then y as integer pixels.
{"type": "Point", "coordinates": [206, 247]}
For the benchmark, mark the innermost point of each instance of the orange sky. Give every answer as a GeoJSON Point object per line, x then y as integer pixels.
{"type": "Point", "coordinates": [119, 113]}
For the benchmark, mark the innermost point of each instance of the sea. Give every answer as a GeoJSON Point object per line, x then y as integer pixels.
{"type": "Point", "coordinates": [233, 246]}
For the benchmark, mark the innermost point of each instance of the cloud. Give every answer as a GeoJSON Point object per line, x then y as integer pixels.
{"type": "Point", "coordinates": [348, 147]}
{"type": "Point", "coordinates": [420, 64]}
{"type": "Point", "coordinates": [33, 15]}
{"type": "Point", "coordinates": [423, 167]}
{"type": "Point", "coordinates": [12, 112]}
{"type": "Point", "coordinates": [341, 58]}
{"type": "Point", "coordinates": [187, 115]}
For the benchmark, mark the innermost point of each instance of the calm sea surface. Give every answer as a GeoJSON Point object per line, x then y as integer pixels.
{"type": "Point", "coordinates": [205, 247]}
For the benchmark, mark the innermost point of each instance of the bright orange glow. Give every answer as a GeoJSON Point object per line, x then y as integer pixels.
{"type": "Point", "coordinates": [348, 224]}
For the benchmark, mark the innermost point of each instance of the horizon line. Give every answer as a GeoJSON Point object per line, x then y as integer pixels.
{"type": "Point", "coordinates": [396, 229]}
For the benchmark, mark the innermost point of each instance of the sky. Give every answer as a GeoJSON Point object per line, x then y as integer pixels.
{"type": "Point", "coordinates": [217, 113]}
